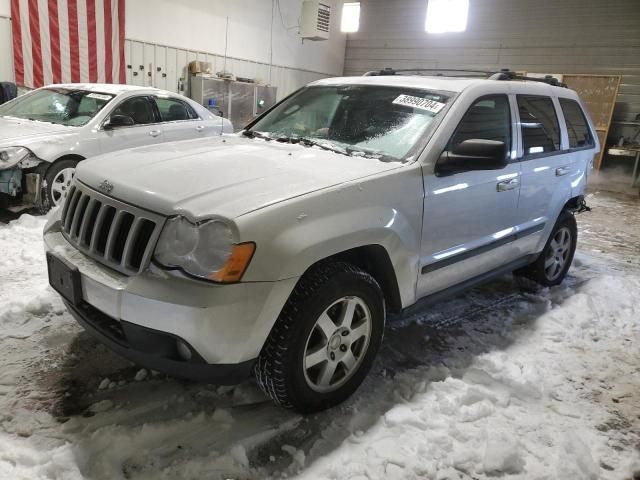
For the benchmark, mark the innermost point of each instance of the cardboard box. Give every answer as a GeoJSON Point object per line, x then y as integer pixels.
{"type": "Point", "coordinates": [197, 66]}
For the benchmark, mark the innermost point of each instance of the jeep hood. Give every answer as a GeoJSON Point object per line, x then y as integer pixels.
{"type": "Point", "coordinates": [228, 176]}
{"type": "Point", "coordinates": [17, 132]}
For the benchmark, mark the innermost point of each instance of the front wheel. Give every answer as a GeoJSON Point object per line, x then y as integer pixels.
{"type": "Point", "coordinates": [555, 259]}
{"type": "Point", "coordinates": [325, 340]}
{"type": "Point", "coordinates": [57, 181]}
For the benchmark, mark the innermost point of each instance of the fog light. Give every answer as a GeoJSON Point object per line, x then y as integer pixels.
{"type": "Point", "coordinates": [183, 350]}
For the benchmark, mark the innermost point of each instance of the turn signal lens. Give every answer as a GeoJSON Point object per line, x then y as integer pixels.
{"type": "Point", "coordinates": [236, 265]}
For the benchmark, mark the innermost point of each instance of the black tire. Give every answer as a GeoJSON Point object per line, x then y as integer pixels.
{"type": "Point", "coordinates": [536, 271]}
{"type": "Point", "coordinates": [47, 200]}
{"type": "Point", "coordinates": [279, 370]}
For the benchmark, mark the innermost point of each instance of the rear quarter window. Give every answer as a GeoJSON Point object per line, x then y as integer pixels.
{"type": "Point", "coordinates": [577, 126]}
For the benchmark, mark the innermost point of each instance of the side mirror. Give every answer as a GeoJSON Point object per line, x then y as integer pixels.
{"type": "Point", "coordinates": [116, 121]}
{"type": "Point", "coordinates": [473, 154]}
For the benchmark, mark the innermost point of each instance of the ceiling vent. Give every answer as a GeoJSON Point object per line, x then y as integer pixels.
{"type": "Point", "coordinates": [315, 21]}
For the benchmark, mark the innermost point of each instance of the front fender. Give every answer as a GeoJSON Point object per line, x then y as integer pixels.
{"type": "Point", "coordinates": [384, 210]}
{"type": "Point", "coordinates": [51, 148]}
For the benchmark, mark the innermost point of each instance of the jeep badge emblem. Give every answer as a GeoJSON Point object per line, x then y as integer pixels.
{"type": "Point", "coordinates": [105, 186]}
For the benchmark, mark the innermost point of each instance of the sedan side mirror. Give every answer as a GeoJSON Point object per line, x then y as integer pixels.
{"type": "Point", "coordinates": [116, 121]}
{"type": "Point", "coordinates": [473, 154]}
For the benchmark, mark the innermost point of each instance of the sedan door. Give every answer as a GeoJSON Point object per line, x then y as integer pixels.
{"type": "Point", "coordinates": [180, 121]}
{"type": "Point", "coordinates": [144, 129]}
{"type": "Point", "coordinates": [469, 216]}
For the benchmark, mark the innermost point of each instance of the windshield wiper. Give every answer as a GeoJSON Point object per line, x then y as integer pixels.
{"type": "Point", "coordinates": [359, 152]}
{"type": "Point", "coordinates": [328, 146]}
{"type": "Point", "coordinates": [254, 134]}
{"type": "Point", "coordinates": [309, 142]}
{"type": "Point", "coordinates": [324, 144]}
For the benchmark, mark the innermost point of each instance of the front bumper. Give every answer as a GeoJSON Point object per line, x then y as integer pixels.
{"type": "Point", "coordinates": [154, 349]}
{"type": "Point", "coordinates": [224, 325]}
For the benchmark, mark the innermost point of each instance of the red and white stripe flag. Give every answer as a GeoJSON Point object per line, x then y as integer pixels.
{"type": "Point", "coordinates": [63, 41]}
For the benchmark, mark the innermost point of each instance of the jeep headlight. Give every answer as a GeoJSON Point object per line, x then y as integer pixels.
{"type": "Point", "coordinates": [11, 156]}
{"type": "Point", "coordinates": [205, 250]}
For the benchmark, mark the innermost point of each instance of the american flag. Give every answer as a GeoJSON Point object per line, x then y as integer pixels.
{"type": "Point", "coordinates": [62, 41]}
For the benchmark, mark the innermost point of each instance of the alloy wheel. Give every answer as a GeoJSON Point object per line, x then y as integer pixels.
{"type": "Point", "coordinates": [557, 253]}
{"type": "Point", "coordinates": [61, 184]}
{"type": "Point", "coordinates": [337, 344]}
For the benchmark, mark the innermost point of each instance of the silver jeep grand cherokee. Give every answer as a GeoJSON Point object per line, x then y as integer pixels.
{"type": "Point", "coordinates": [279, 251]}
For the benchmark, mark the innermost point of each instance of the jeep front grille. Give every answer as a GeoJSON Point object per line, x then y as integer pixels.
{"type": "Point", "coordinates": [114, 233]}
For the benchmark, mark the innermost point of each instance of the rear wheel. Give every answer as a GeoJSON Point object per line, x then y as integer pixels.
{"type": "Point", "coordinates": [555, 259]}
{"type": "Point", "coordinates": [325, 340]}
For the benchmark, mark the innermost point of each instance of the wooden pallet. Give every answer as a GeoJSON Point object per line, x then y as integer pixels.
{"type": "Point", "coordinates": [599, 94]}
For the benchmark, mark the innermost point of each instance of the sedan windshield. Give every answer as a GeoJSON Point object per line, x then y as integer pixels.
{"type": "Point", "coordinates": [57, 105]}
{"type": "Point", "coordinates": [386, 123]}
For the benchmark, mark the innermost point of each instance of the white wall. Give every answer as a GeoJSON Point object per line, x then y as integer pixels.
{"type": "Point", "coordinates": [196, 29]}
{"type": "Point", "coordinates": [200, 25]}
{"type": "Point", "coordinates": [5, 8]}
{"type": "Point", "coordinates": [568, 36]}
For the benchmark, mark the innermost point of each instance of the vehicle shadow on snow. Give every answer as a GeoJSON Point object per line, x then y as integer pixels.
{"type": "Point", "coordinates": [205, 422]}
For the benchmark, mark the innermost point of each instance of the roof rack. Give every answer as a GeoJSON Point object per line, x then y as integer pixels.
{"type": "Point", "coordinates": [503, 74]}
{"type": "Point", "coordinates": [394, 71]}
{"type": "Point", "coordinates": [506, 74]}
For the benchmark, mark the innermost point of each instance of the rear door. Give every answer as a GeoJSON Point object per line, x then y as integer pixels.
{"type": "Point", "coordinates": [469, 217]}
{"type": "Point", "coordinates": [547, 168]}
{"type": "Point", "coordinates": [180, 121]}
{"type": "Point", "coordinates": [146, 129]}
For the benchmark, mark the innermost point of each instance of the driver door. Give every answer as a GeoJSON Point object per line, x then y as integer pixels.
{"type": "Point", "coordinates": [469, 217]}
{"type": "Point", "coordinates": [146, 128]}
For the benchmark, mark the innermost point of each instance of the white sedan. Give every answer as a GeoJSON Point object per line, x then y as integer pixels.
{"type": "Point", "coordinates": [45, 133]}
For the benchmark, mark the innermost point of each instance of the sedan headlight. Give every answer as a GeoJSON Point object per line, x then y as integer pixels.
{"type": "Point", "coordinates": [11, 156]}
{"type": "Point", "coordinates": [205, 250]}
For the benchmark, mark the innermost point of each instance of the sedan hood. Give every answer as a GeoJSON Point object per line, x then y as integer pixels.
{"type": "Point", "coordinates": [23, 133]}
{"type": "Point", "coordinates": [228, 176]}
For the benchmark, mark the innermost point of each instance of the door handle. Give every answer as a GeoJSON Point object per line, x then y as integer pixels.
{"type": "Point", "coordinates": [200, 128]}
{"type": "Point", "coordinates": [154, 133]}
{"type": "Point", "coordinates": [562, 171]}
{"type": "Point", "coordinates": [508, 185]}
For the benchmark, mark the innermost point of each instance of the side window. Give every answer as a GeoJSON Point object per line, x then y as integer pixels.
{"type": "Point", "coordinates": [173, 110]}
{"type": "Point", "coordinates": [140, 109]}
{"type": "Point", "coordinates": [539, 123]}
{"type": "Point", "coordinates": [488, 118]}
{"type": "Point", "coordinates": [577, 126]}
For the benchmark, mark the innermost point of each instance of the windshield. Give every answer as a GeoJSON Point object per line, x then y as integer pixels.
{"type": "Point", "coordinates": [57, 105]}
{"type": "Point", "coordinates": [381, 122]}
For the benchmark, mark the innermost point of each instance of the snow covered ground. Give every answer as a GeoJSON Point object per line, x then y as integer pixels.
{"type": "Point", "coordinates": [499, 382]}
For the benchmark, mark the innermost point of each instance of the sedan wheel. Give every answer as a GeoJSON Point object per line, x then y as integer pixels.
{"type": "Point", "coordinates": [60, 185]}
{"type": "Point", "coordinates": [58, 178]}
